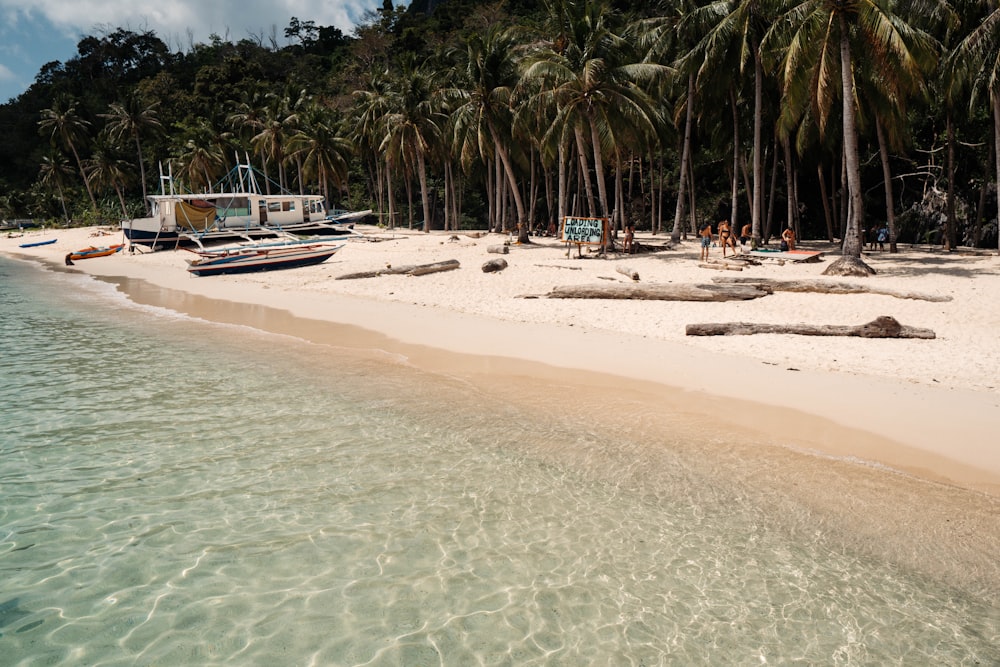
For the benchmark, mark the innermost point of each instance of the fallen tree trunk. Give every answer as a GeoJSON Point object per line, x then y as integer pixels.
{"type": "Point", "coordinates": [671, 292]}
{"type": "Point", "coordinates": [499, 249]}
{"type": "Point", "coordinates": [719, 266]}
{"type": "Point", "coordinates": [829, 287]}
{"type": "Point", "coordinates": [625, 271]}
{"type": "Point", "coordinates": [410, 270]}
{"type": "Point", "coordinates": [880, 327]}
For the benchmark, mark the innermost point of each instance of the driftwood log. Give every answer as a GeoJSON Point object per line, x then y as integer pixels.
{"type": "Point", "coordinates": [720, 266]}
{"type": "Point", "coordinates": [625, 271]}
{"type": "Point", "coordinates": [880, 327]}
{"type": "Point", "coordinates": [410, 270]}
{"type": "Point", "coordinates": [499, 249]}
{"type": "Point", "coordinates": [670, 292]}
{"type": "Point", "coordinates": [494, 265]}
{"type": "Point", "coordinates": [830, 287]}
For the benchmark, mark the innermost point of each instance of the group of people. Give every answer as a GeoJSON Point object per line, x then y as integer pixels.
{"type": "Point", "coordinates": [877, 235]}
{"type": "Point", "coordinates": [727, 238]}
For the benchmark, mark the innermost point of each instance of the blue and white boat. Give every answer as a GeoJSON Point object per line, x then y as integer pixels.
{"type": "Point", "coordinates": [260, 257]}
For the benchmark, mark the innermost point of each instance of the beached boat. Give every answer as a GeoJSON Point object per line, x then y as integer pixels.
{"type": "Point", "coordinates": [93, 251]}
{"type": "Point", "coordinates": [37, 243]}
{"type": "Point", "coordinates": [260, 257]}
{"type": "Point", "coordinates": [236, 209]}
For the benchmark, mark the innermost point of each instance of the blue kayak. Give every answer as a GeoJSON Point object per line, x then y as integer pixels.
{"type": "Point", "coordinates": [36, 243]}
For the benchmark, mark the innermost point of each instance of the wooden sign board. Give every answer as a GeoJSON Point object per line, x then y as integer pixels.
{"type": "Point", "coordinates": [590, 231]}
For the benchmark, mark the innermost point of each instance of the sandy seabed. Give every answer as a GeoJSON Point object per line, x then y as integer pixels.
{"type": "Point", "coordinates": [923, 414]}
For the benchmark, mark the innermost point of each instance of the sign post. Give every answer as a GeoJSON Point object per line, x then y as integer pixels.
{"type": "Point", "coordinates": [583, 231]}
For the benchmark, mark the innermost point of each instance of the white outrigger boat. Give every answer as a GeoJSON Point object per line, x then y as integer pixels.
{"type": "Point", "coordinates": [254, 257]}
{"type": "Point", "coordinates": [238, 211]}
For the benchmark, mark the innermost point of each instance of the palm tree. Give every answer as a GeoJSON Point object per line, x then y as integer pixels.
{"type": "Point", "coordinates": [414, 125]}
{"type": "Point", "coordinates": [591, 77]}
{"type": "Point", "coordinates": [132, 119]}
{"type": "Point", "coordinates": [820, 39]}
{"type": "Point", "coordinates": [977, 58]}
{"type": "Point", "coordinates": [483, 114]}
{"type": "Point", "coordinates": [322, 151]}
{"type": "Point", "coordinates": [105, 168]}
{"type": "Point", "coordinates": [53, 172]}
{"type": "Point", "coordinates": [65, 126]}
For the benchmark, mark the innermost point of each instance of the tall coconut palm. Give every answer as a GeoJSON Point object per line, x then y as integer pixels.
{"type": "Point", "coordinates": [53, 172]}
{"type": "Point", "coordinates": [482, 116]}
{"type": "Point", "coordinates": [820, 40]}
{"type": "Point", "coordinates": [132, 119]}
{"type": "Point", "coordinates": [977, 57]}
{"type": "Point", "coordinates": [595, 82]}
{"type": "Point", "coordinates": [65, 126]}
{"type": "Point", "coordinates": [414, 124]}
{"type": "Point", "coordinates": [323, 152]}
{"type": "Point", "coordinates": [105, 168]}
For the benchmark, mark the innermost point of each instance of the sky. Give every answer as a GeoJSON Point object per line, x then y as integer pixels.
{"type": "Point", "coordinates": [35, 32]}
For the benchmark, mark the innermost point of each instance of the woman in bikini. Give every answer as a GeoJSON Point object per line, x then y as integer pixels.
{"type": "Point", "coordinates": [726, 237]}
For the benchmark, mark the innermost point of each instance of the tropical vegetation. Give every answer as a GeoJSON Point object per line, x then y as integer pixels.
{"type": "Point", "coordinates": [833, 117]}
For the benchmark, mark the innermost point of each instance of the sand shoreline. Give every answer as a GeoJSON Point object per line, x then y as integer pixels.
{"type": "Point", "coordinates": [928, 408]}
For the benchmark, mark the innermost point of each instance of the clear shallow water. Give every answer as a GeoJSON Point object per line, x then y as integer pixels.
{"type": "Point", "coordinates": [180, 492]}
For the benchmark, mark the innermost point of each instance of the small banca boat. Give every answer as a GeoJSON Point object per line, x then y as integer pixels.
{"type": "Point", "coordinates": [260, 257]}
{"type": "Point", "coordinates": [37, 243]}
{"type": "Point", "coordinates": [92, 251]}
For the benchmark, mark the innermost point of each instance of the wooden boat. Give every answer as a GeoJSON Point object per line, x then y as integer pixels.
{"type": "Point", "coordinates": [37, 243]}
{"type": "Point", "coordinates": [92, 251]}
{"type": "Point", "coordinates": [260, 257]}
{"type": "Point", "coordinates": [234, 209]}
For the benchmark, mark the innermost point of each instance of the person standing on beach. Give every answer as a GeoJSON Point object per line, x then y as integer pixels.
{"type": "Point", "coordinates": [745, 234]}
{"type": "Point", "coordinates": [706, 241]}
{"type": "Point", "coordinates": [726, 237]}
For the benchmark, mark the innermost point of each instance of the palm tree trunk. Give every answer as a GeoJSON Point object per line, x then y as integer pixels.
{"type": "Point", "coordinates": [827, 212]}
{"type": "Point", "coordinates": [950, 222]}
{"type": "Point", "coordinates": [996, 153]}
{"type": "Point", "coordinates": [734, 183]}
{"type": "Point", "coordinates": [83, 173]}
{"type": "Point", "coordinates": [890, 204]}
{"type": "Point", "coordinates": [602, 186]}
{"type": "Point", "coordinates": [850, 263]}
{"type": "Point", "coordinates": [142, 173]}
{"type": "Point", "coordinates": [675, 234]}
{"type": "Point", "coordinates": [758, 147]}
{"type": "Point", "coordinates": [581, 152]}
{"type": "Point", "coordinates": [424, 195]}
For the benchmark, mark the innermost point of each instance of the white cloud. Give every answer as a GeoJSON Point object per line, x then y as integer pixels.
{"type": "Point", "coordinates": [6, 74]}
{"type": "Point", "coordinates": [177, 21]}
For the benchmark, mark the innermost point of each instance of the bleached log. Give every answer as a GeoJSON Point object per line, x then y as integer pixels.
{"type": "Point", "coordinates": [719, 266]}
{"type": "Point", "coordinates": [409, 269]}
{"type": "Point", "coordinates": [831, 287]}
{"type": "Point", "coordinates": [494, 265]}
{"type": "Point", "coordinates": [668, 292]}
{"type": "Point", "coordinates": [880, 327]}
{"type": "Point", "coordinates": [500, 249]}
{"type": "Point", "coordinates": [625, 271]}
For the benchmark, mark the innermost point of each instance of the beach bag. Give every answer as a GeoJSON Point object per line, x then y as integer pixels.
{"type": "Point", "coordinates": [784, 245]}
{"type": "Point", "coordinates": [883, 235]}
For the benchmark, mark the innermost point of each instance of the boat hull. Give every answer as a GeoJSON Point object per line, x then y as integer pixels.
{"type": "Point", "coordinates": [265, 260]}
{"type": "Point", "coordinates": [37, 243]}
{"type": "Point", "coordinates": [89, 253]}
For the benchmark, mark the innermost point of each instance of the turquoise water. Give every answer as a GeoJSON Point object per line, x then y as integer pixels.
{"type": "Point", "coordinates": [182, 492]}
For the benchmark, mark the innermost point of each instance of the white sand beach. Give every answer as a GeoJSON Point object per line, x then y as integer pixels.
{"type": "Point", "coordinates": [929, 408]}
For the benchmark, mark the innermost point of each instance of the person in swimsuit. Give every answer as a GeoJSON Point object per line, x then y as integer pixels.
{"type": "Point", "coordinates": [745, 234]}
{"type": "Point", "coordinates": [706, 241]}
{"type": "Point", "coordinates": [726, 237]}
{"type": "Point", "coordinates": [788, 239]}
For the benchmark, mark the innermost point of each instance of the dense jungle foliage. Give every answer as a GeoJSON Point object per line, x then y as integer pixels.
{"type": "Point", "coordinates": [832, 117]}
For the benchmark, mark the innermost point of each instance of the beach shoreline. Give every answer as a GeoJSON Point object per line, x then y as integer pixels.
{"type": "Point", "coordinates": [926, 408]}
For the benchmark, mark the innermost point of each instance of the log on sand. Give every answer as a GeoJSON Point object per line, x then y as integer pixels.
{"type": "Point", "coordinates": [499, 249]}
{"type": "Point", "coordinates": [625, 271]}
{"type": "Point", "coordinates": [671, 292]}
{"type": "Point", "coordinates": [829, 287]}
{"type": "Point", "coordinates": [410, 270]}
{"type": "Point", "coordinates": [720, 266]}
{"type": "Point", "coordinates": [494, 265]}
{"type": "Point", "coordinates": [880, 327]}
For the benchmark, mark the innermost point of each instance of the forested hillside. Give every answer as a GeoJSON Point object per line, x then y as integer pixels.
{"type": "Point", "coordinates": [831, 117]}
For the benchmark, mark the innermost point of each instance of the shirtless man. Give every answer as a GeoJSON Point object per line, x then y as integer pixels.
{"type": "Point", "coordinates": [706, 241]}
{"type": "Point", "coordinates": [745, 234]}
{"type": "Point", "coordinates": [726, 237]}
